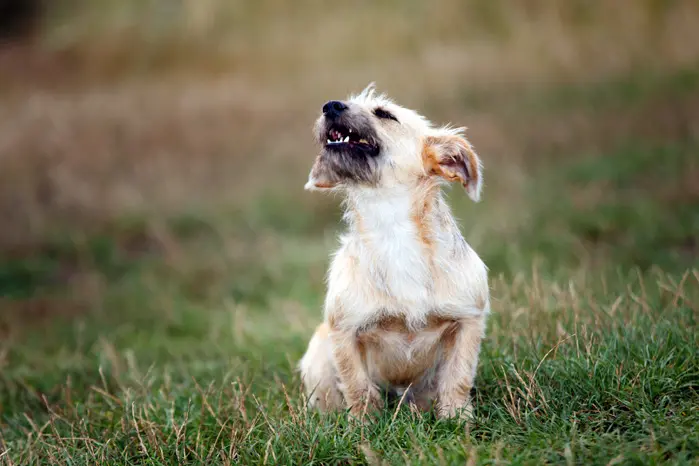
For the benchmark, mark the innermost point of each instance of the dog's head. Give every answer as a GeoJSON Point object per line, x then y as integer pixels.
{"type": "Point", "coordinates": [369, 141]}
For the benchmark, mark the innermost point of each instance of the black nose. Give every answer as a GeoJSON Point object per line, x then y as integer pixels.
{"type": "Point", "coordinates": [333, 108]}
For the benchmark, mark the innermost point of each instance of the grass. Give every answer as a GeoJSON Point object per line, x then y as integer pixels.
{"type": "Point", "coordinates": [161, 270]}
{"type": "Point", "coordinates": [177, 367]}
{"type": "Point", "coordinates": [185, 352]}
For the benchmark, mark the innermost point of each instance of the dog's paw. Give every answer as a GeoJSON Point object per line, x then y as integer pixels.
{"type": "Point", "coordinates": [368, 405]}
{"type": "Point", "coordinates": [455, 411]}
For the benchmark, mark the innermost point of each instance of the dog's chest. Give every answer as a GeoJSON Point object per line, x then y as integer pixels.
{"type": "Point", "coordinates": [392, 254]}
{"type": "Point", "coordinates": [395, 263]}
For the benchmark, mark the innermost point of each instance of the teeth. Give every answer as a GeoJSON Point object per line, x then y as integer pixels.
{"type": "Point", "coordinates": [335, 137]}
{"type": "Point", "coordinates": [350, 130]}
{"type": "Point", "coordinates": [364, 141]}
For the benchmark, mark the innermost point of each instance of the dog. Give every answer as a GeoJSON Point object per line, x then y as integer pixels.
{"type": "Point", "coordinates": [407, 298]}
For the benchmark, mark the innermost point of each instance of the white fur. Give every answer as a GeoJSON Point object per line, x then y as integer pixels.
{"type": "Point", "coordinates": [393, 266]}
{"type": "Point", "coordinates": [390, 255]}
{"type": "Point", "coordinates": [384, 268]}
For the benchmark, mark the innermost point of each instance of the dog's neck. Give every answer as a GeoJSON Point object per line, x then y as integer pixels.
{"type": "Point", "coordinates": [398, 214]}
{"type": "Point", "coordinates": [398, 235]}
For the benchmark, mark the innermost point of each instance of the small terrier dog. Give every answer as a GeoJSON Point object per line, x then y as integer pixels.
{"type": "Point", "coordinates": [407, 297]}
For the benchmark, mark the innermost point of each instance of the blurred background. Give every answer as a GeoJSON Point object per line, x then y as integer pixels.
{"type": "Point", "coordinates": [153, 152]}
{"type": "Point", "coordinates": [153, 155]}
{"type": "Point", "coordinates": [159, 134]}
{"type": "Point", "coordinates": [165, 143]}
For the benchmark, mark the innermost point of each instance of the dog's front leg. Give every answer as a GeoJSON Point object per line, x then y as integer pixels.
{"type": "Point", "coordinates": [458, 370]}
{"type": "Point", "coordinates": [359, 391]}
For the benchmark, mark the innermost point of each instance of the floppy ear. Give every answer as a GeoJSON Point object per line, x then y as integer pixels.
{"type": "Point", "coordinates": [452, 157]}
{"type": "Point", "coordinates": [321, 177]}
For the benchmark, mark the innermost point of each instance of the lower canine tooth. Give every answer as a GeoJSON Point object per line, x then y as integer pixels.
{"type": "Point", "coordinates": [346, 139]}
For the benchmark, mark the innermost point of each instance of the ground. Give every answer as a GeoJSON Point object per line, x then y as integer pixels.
{"type": "Point", "coordinates": [162, 269]}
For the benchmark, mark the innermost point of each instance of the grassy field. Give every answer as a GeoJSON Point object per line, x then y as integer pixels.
{"type": "Point", "coordinates": [161, 269]}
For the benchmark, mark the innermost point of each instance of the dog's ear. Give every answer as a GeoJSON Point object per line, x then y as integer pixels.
{"type": "Point", "coordinates": [320, 178]}
{"type": "Point", "coordinates": [452, 157]}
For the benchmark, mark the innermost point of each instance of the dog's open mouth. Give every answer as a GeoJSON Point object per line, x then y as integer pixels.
{"type": "Point", "coordinates": [342, 137]}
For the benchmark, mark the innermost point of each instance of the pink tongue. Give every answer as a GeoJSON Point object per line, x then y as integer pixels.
{"type": "Point", "coordinates": [336, 135]}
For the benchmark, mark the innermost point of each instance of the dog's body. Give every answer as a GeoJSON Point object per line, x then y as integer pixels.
{"type": "Point", "coordinates": [407, 296]}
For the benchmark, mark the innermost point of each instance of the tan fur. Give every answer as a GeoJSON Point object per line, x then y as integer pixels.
{"type": "Point", "coordinates": [461, 164]}
{"type": "Point", "coordinates": [407, 297]}
{"type": "Point", "coordinates": [458, 371]}
{"type": "Point", "coordinates": [323, 330]}
{"type": "Point", "coordinates": [393, 367]}
{"type": "Point", "coordinates": [422, 215]}
{"type": "Point", "coordinates": [356, 385]}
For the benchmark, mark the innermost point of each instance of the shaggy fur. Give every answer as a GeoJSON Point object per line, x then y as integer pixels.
{"type": "Point", "coordinates": [407, 297]}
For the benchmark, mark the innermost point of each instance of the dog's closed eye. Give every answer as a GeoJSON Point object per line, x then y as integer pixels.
{"type": "Point", "coordinates": [384, 114]}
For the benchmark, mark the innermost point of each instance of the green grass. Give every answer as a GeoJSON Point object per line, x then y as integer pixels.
{"type": "Point", "coordinates": [173, 341]}
{"type": "Point", "coordinates": [629, 207]}
{"type": "Point", "coordinates": [583, 369]}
